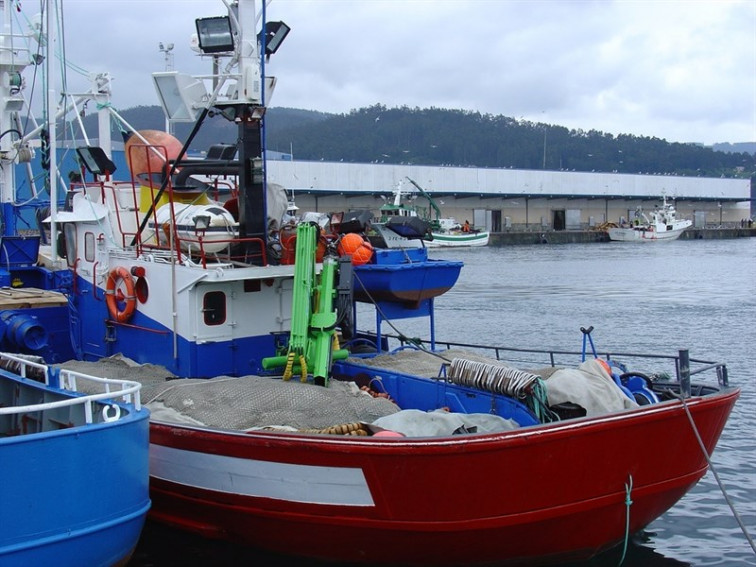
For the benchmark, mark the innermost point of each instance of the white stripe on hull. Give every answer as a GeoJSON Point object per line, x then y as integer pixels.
{"type": "Point", "coordinates": [338, 486]}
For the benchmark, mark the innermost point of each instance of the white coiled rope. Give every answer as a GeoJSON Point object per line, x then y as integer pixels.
{"type": "Point", "coordinates": [492, 378]}
{"type": "Point", "coordinates": [504, 380]}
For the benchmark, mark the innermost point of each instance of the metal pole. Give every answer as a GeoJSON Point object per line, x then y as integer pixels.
{"type": "Point", "coordinates": [683, 372]}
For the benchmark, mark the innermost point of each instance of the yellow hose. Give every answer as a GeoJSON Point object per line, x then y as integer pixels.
{"type": "Point", "coordinates": [289, 365]}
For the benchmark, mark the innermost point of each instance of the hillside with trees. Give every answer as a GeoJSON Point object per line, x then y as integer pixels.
{"type": "Point", "coordinates": [435, 136]}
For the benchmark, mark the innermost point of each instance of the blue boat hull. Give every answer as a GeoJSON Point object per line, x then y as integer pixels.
{"type": "Point", "coordinates": [406, 283]}
{"type": "Point", "coordinates": [72, 496]}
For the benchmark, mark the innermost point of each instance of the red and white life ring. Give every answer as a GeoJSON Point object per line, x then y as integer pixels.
{"type": "Point", "coordinates": [112, 297]}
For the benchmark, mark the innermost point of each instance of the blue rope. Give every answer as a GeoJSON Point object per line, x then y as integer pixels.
{"type": "Point", "coordinates": [628, 503]}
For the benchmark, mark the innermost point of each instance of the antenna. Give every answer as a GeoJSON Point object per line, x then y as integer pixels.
{"type": "Point", "coordinates": [167, 50]}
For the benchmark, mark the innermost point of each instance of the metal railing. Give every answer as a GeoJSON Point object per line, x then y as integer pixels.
{"type": "Point", "coordinates": [111, 390]}
{"type": "Point", "coordinates": [681, 361]}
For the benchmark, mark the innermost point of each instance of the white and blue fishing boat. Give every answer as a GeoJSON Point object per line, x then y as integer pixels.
{"type": "Point", "coordinates": [661, 224]}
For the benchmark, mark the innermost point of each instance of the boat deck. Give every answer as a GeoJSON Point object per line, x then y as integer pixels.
{"type": "Point", "coordinates": [26, 298]}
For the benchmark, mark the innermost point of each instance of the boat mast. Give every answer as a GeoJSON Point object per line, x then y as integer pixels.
{"type": "Point", "coordinates": [50, 118]}
{"type": "Point", "coordinates": [248, 111]}
{"type": "Point", "coordinates": [13, 60]}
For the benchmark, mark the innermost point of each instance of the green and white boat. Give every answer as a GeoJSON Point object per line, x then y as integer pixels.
{"type": "Point", "coordinates": [444, 231]}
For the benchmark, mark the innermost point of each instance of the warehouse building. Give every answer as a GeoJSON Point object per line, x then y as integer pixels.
{"type": "Point", "coordinates": [509, 199]}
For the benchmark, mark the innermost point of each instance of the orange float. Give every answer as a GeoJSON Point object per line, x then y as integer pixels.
{"type": "Point", "coordinates": [142, 160]}
{"type": "Point", "coordinates": [358, 248]}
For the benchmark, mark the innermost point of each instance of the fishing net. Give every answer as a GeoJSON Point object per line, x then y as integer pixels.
{"type": "Point", "coordinates": [256, 402]}
{"type": "Point", "coordinates": [249, 402]}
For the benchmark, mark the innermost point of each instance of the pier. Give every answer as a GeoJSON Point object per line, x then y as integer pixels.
{"type": "Point", "coordinates": [586, 236]}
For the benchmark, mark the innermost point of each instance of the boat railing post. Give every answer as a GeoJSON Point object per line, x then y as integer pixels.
{"type": "Point", "coordinates": [722, 376]}
{"type": "Point", "coordinates": [378, 321]}
{"type": "Point", "coordinates": [683, 372]}
{"type": "Point", "coordinates": [432, 325]}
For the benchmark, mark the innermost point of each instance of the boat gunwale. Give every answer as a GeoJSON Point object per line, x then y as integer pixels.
{"type": "Point", "coordinates": [480, 440]}
{"type": "Point", "coordinates": [127, 399]}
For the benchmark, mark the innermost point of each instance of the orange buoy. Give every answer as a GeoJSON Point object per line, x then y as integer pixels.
{"type": "Point", "coordinates": [142, 160]}
{"type": "Point", "coordinates": [357, 247]}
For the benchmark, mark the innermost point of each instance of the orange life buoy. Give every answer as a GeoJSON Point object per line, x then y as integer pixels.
{"type": "Point", "coordinates": [112, 298]}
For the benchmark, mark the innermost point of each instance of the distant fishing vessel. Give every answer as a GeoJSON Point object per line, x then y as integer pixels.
{"type": "Point", "coordinates": [444, 231]}
{"type": "Point", "coordinates": [660, 224]}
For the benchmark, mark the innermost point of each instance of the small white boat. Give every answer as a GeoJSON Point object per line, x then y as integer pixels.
{"type": "Point", "coordinates": [459, 238]}
{"type": "Point", "coordinates": [661, 224]}
{"type": "Point", "coordinates": [443, 231]}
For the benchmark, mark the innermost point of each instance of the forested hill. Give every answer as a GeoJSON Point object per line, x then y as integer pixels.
{"type": "Point", "coordinates": [435, 136]}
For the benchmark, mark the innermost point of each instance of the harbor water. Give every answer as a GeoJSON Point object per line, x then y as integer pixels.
{"type": "Point", "coordinates": [648, 297]}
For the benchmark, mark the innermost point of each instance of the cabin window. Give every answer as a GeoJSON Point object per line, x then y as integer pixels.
{"type": "Point", "coordinates": [89, 247]}
{"type": "Point", "coordinates": [69, 230]}
{"type": "Point", "coordinates": [214, 308]}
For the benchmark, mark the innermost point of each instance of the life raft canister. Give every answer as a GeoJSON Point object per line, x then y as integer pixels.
{"type": "Point", "coordinates": [113, 297]}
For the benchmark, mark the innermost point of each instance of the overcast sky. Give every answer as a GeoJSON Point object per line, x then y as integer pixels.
{"type": "Point", "coordinates": [680, 70]}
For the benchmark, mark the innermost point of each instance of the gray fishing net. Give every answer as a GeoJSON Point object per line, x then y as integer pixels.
{"type": "Point", "coordinates": [249, 402]}
{"type": "Point", "coordinates": [254, 402]}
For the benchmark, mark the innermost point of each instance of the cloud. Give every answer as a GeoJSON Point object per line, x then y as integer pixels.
{"type": "Point", "coordinates": [681, 70]}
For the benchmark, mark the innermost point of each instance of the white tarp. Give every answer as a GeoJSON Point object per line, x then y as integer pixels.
{"type": "Point", "coordinates": [590, 386]}
{"type": "Point", "coordinates": [441, 423]}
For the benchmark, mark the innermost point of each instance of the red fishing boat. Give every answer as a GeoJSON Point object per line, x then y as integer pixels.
{"type": "Point", "coordinates": [538, 494]}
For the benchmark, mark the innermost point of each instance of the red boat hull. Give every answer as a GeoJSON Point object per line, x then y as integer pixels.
{"type": "Point", "coordinates": [545, 494]}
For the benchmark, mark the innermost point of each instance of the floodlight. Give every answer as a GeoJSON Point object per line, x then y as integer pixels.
{"type": "Point", "coordinates": [181, 95]}
{"type": "Point", "coordinates": [96, 160]}
{"type": "Point", "coordinates": [214, 34]}
{"type": "Point", "coordinates": [275, 33]}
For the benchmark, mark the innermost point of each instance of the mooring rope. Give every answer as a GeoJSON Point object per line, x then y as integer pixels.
{"type": "Point", "coordinates": [716, 476]}
{"type": "Point", "coordinates": [628, 503]}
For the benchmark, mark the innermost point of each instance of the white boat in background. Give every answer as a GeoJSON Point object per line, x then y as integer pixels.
{"type": "Point", "coordinates": [458, 237]}
{"type": "Point", "coordinates": [660, 224]}
{"type": "Point", "coordinates": [443, 231]}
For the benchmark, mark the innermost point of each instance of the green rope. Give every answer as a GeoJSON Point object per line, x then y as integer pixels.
{"type": "Point", "coordinates": [113, 120]}
{"type": "Point", "coordinates": [537, 402]}
{"type": "Point", "coordinates": [628, 503]}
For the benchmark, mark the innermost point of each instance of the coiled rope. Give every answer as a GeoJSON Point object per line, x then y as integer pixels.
{"type": "Point", "coordinates": [505, 380]}
{"type": "Point", "coordinates": [355, 429]}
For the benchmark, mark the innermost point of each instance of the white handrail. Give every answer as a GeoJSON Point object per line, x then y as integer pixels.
{"type": "Point", "coordinates": [128, 391]}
